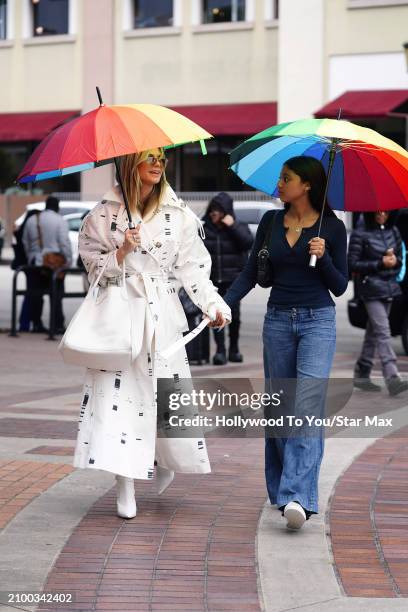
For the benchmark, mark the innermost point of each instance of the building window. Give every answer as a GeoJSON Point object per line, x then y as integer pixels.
{"type": "Point", "coordinates": [152, 13]}
{"type": "Point", "coordinates": [50, 17]}
{"type": "Point", "coordinates": [271, 10]}
{"type": "Point", "coordinates": [3, 19]}
{"type": "Point", "coordinates": [219, 11]}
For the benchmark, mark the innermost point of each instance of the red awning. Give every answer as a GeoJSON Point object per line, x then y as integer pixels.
{"type": "Point", "coordinates": [223, 119]}
{"type": "Point", "coordinates": [16, 127]}
{"type": "Point", "coordinates": [366, 104]}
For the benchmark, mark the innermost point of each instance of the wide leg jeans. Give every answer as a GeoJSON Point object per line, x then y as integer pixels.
{"type": "Point", "coordinates": [299, 345]}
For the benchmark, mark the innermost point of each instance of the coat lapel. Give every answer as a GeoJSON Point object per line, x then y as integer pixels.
{"type": "Point", "coordinates": [149, 244]}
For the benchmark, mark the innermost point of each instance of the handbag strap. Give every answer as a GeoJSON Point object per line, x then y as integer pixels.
{"type": "Point", "coordinates": [95, 284]}
{"type": "Point", "coordinates": [40, 240]}
{"type": "Point", "coordinates": [268, 234]}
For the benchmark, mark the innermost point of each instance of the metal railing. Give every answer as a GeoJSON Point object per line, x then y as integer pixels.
{"type": "Point", "coordinates": [244, 196]}
{"type": "Point", "coordinates": [51, 292]}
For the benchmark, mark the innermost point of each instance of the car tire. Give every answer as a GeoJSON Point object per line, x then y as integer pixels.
{"type": "Point", "coordinates": [404, 335]}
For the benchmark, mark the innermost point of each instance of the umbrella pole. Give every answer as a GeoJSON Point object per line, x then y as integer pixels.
{"type": "Point", "coordinates": [313, 258]}
{"type": "Point", "coordinates": [131, 223]}
{"type": "Point", "coordinates": [115, 159]}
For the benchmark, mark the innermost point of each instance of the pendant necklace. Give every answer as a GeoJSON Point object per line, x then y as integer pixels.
{"type": "Point", "coordinates": [297, 228]}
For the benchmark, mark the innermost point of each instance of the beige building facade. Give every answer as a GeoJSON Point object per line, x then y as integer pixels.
{"type": "Point", "coordinates": [345, 45]}
{"type": "Point", "coordinates": [296, 54]}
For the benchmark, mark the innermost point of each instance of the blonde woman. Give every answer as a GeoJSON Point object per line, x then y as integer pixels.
{"type": "Point", "coordinates": [117, 425]}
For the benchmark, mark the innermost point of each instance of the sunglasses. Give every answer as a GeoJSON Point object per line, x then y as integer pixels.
{"type": "Point", "coordinates": [152, 160]}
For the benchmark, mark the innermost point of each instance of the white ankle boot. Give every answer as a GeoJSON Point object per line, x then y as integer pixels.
{"type": "Point", "coordinates": [126, 503]}
{"type": "Point", "coordinates": [164, 477]}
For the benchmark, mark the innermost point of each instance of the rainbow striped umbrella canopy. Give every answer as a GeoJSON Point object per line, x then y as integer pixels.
{"type": "Point", "coordinates": [370, 172]}
{"type": "Point", "coordinates": [97, 137]}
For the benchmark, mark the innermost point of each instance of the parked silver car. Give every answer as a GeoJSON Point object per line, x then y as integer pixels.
{"type": "Point", "coordinates": [251, 212]}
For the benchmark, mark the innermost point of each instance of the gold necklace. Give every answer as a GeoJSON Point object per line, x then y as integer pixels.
{"type": "Point", "coordinates": [297, 228]}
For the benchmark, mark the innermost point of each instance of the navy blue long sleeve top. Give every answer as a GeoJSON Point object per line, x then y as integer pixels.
{"type": "Point", "coordinates": [295, 283]}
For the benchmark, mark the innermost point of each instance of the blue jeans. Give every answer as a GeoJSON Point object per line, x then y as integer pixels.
{"type": "Point", "coordinates": [299, 343]}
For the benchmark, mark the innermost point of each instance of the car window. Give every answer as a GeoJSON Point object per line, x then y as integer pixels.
{"type": "Point", "coordinates": [247, 215]}
{"type": "Point", "coordinates": [250, 215]}
{"type": "Point", "coordinates": [68, 210]}
{"type": "Point", "coordinates": [74, 224]}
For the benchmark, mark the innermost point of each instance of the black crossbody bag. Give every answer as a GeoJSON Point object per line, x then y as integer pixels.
{"type": "Point", "coordinates": [264, 276]}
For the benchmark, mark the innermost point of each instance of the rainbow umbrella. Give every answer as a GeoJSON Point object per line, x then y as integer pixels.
{"type": "Point", "coordinates": [366, 171]}
{"type": "Point", "coordinates": [106, 133]}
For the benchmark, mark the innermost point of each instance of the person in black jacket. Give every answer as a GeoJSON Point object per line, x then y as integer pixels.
{"type": "Point", "coordinates": [228, 243]}
{"type": "Point", "coordinates": [375, 258]}
{"type": "Point", "coordinates": [20, 259]}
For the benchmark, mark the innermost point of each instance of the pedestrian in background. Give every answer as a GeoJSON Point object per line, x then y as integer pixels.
{"type": "Point", "coordinates": [228, 242]}
{"type": "Point", "coordinates": [46, 234]}
{"type": "Point", "coordinates": [20, 259]}
{"type": "Point", "coordinates": [375, 258]}
{"type": "Point", "coordinates": [299, 334]}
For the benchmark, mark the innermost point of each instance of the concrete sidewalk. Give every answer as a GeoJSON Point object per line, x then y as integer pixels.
{"type": "Point", "coordinates": [210, 542]}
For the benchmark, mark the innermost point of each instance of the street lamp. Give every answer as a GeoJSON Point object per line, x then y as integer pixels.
{"type": "Point", "coordinates": [405, 45]}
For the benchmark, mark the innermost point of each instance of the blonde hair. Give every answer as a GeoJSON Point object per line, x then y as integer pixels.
{"type": "Point", "coordinates": [133, 185]}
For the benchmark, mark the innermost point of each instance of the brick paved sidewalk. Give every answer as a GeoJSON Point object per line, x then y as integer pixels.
{"type": "Point", "coordinates": [191, 549]}
{"type": "Point", "coordinates": [22, 481]}
{"type": "Point", "coordinates": [369, 521]}
{"type": "Point", "coordinates": [195, 547]}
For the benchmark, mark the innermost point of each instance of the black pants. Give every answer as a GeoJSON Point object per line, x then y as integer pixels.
{"type": "Point", "coordinates": [219, 336]}
{"type": "Point", "coordinates": [39, 284]}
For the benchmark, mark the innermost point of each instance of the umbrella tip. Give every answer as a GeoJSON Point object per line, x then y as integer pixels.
{"type": "Point", "coordinates": [98, 92]}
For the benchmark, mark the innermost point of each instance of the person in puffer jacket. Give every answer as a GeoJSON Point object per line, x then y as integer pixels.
{"type": "Point", "coordinates": [228, 242]}
{"type": "Point", "coordinates": [375, 258]}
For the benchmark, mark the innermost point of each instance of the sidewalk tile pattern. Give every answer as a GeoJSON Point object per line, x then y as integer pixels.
{"type": "Point", "coordinates": [193, 548]}
{"type": "Point", "coordinates": [368, 519]}
{"type": "Point", "coordinates": [66, 451]}
{"type": "Point", "coordinates": [39, 411]}
{"type": "Point", "coordinates": [37, 428]}
{"type": "Point", "coordinates": [22, 481]}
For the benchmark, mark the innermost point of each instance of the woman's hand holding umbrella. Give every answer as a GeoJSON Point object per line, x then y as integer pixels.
{"type": "Point", "coordinates": [317, 246]}
{"type": "Point", "coordinates": [131, 243]}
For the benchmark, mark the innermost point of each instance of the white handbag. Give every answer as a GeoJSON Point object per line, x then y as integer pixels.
{"type": "Point", "coordinates": [106, 332]}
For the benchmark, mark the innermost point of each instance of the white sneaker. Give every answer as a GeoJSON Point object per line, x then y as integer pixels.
{"type": "Point", "coordinates": [164, 478]}
{"type": "Point", "coordinates": [295, 515]}
{"type": "Point", "coordinates": [126, 503]}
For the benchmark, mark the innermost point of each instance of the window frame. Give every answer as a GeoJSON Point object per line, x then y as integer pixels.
{"type": "Point", "coordinates": [127, 20]}
{"type": "Point", "coordinates": [197, 13]}
{"type": "Point", "coordinates": [9, 23]}
{"type": "Point", "coordinates": [271, 10]}
{"type": "Point", "coordinates": [28, 24]}
{"type": "Point", "coordinates": [358, 4]}
{"type": "Point", "coordinates": [231, 21]}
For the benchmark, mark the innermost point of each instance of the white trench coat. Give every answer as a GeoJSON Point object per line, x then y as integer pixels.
{"type": "Point", "coordinates": [117, 422]}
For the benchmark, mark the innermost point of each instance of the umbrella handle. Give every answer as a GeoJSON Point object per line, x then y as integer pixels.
{"type": "Point", "coordinates": [313, 260]}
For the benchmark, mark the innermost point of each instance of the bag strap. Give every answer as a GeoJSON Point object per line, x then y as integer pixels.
{"type": "Point", "coordinates": [40, 240]}
{"type": "Point", "coordinates": [268, 234]}
{"type": "Point", "coordinates": [95, 284]}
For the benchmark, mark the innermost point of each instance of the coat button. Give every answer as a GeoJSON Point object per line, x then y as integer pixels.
{"type": "Point", "coordinates": [158, 244]}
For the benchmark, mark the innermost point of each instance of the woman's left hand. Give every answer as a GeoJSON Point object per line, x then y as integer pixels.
{"type": "Point", "coordinates": [317, 246]}
{"type": "Point", "coordinates": [220, 321]}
